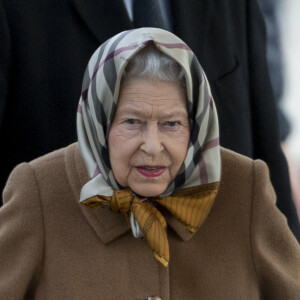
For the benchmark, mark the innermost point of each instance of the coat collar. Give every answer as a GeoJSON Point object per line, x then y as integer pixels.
{"type": "Point", "coordinates": [107, 225]}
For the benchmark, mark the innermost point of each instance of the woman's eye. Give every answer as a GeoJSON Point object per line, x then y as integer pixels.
{"type": "Point", "coordinates": [172, 123]}
{"type": "Point", "coordinates": [131, 121]}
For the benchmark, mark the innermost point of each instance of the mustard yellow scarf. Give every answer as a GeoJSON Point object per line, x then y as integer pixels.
{"type": "Point", "coordinates": [190, 206]}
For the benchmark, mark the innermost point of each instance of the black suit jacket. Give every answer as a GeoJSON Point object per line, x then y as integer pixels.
{"type": "Point", "coordinates": [45, 46]}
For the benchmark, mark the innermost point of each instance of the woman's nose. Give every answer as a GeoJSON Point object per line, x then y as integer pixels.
{"type": "Point", "coordinates": [151, 140]}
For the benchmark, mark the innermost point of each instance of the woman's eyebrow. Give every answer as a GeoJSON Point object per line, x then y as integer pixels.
{"type": "Point", "coordinates": [131, 111]}
{"type": "Point", "coordinates": [139, 112]}
{"type": "Point", "coordinates": [174, 113]}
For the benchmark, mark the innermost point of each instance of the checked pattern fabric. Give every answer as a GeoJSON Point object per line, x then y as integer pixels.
{"type": "Point", "coordinates": [98, 101]}
{"type": "Point", "coordinates": [97, 105]}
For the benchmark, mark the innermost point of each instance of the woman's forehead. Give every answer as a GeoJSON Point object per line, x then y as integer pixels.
{"type": "Point", "coordinates": [142, 111]}
{"type": "Point", "coordinates": [139, 88]}
{"type": "Point", "coordinates": [142, 92]}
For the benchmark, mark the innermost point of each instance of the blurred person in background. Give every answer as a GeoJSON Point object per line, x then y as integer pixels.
{"type": "Point", "coordinates": [45, 45]}
{"type": "Point", "coordinates": [275, 58]}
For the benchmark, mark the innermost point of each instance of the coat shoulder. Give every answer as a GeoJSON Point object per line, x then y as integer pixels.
{"type": "Point", "coordinates": [234, 159]}
{"type": "Point", "coordinates": [235, 166]}
{"type": "Point", "coordinates": [55, 160]}
{"type": "Point", "coordinates": [239, 167]}
{"type": "Point", "coordinates": [238, 174]}
{"type": "Point", "coordinates": [59, 168]}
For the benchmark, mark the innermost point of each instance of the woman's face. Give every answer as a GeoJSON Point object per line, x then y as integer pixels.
{"type": "Point", "coordinates": [149, 136]}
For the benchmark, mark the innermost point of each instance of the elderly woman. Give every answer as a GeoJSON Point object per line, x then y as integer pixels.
{"type": "Point", "coordinates": [147, 204]}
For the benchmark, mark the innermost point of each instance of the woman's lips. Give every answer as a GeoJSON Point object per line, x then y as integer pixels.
{"type": "Point", "coordinates": [151, 171]}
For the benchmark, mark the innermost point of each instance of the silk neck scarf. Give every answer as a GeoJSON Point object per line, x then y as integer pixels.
{"type": "Point", "coordinates": [98, 101]}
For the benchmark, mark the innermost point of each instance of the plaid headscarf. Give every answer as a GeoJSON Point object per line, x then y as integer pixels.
{"type": "Point", "coordinates": [98, 101]}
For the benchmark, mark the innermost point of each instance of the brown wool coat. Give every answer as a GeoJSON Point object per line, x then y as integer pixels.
{"type": "Point", "coordinates": [52, 247]}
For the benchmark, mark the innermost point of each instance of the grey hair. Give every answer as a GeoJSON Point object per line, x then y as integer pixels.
{"type": "Point", "coordinates": [151, 63]}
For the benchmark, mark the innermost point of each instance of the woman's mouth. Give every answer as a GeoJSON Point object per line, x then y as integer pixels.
{"type": "Point", "coordinates": [151, 171]}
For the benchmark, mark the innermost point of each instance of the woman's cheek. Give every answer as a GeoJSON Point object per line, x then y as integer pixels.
{"type": "Point", "coordinates": [122, 132]}
{"type": "Point", "coordinates": [181, 136]}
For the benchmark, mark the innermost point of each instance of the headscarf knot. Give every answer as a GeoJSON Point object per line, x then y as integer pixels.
{"type": "Point", "coordinates": [121, 201]}
{"type": "Point", "coordinates": [190, 207]}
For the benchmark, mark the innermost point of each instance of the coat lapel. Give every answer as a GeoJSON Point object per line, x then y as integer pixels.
{"type": "Point", "coordinates": [107, 225]}
{"type": "Point", "coordinates": [192, 21]}
{"type": "Point", "coordinates": [104, 18]}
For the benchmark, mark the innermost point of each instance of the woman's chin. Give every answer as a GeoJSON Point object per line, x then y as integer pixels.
{"type": "Point", "coordinates": [148, 190]}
